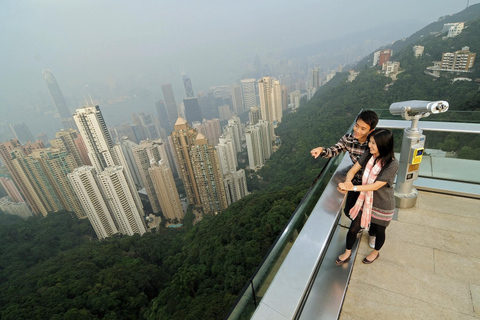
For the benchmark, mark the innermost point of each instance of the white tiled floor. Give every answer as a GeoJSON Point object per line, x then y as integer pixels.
{"type": "Point", "coordinates": [429, 267]}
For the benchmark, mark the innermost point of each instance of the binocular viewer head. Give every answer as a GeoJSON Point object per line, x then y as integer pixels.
{"type": "Point", "coordinates": [418, 107]}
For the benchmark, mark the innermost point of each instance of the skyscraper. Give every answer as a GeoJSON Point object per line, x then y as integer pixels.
{"type": "Point", "coordinates": [166, 191]}
{"type": "Point", "coordinates": [170, 103]}
{"type": "Point", "coordinates": [11, 189]}
{"type": "Point", "coordinates": [162, 115]}
{"type": "Point", "coordinates": [211, 130]}
{"type": "Point", "coordinates": [113, 174]}
{"type": "Point", "coordinates": [192, 110]}
{"type": "Point", "coordinates": [58, 99]}
{"type": "Point", "coordinates": [22, 132]}
{"type": "Point", "coordinates": [235, 184]}
{"type": "Point", "coordinates": [37, 181]}
{"type": "Point", "coordinates": [87, 188]}
{"type": "Point", "coordinates": [316, 78]}
{"type": "Point", "coordinates": [56, 165]}
{"type": "Point", "coordinates": [187, 84]}
{"type": "Point", "coordinates": [121, 201]}
{"type": "Point", "coordinates": [144, 154]}
{"type": "Point", "coordinates": [235, 128]}
{"type": "Point", "coordinates": [127, 148]}
{"type": "Point", "coordinates": [208, 176]}
{"type": "Point", "coordinates": [65, 139]}
{"type": "Point", "coordinates": [248, 91]}
{"type": "Point", "coordinates": [19, 177]}
{"type": "Point", "coordinates": [227, 155]}
{"type": "Point", "coordinates": [270, 93]}
{"type": "Point", "coordinates": [259, 146]}
{"type": "Point", "coordinates": [237, 99]}
{"type": "Point", "coordinates": [183, 138]}
{"type": "Point", "coordinates": [254, 115]}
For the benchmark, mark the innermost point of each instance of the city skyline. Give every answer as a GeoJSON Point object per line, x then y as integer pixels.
{"type": "Point", "coordinates": [145, 51]}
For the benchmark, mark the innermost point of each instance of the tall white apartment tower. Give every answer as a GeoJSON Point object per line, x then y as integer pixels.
{"type": "Point", "coordinates": [248, 91]}
{"type": "Point", "coordinates": [121, 201]}
{"type": "Point", "coordinates": [235, 129]}
{"type": "Point", "coordinates": [83, 180]}
{"type": "Point", "coordinates": [235, 184]}
{"type": "Point", "coordinates": [270, 93]}
{"type": "Point", "coordinates": [117, 183]}
{"type": "Point", "coordinates": [259, 146]}
{"type": "Point", "coordinates": [227, 155]}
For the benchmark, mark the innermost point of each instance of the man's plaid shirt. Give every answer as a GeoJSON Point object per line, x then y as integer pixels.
{"type": "Point", "coordinates": [352, 145]}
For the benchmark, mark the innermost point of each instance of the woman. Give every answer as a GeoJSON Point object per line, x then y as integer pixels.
{"type": "Point", "coordinates": [376, 203]}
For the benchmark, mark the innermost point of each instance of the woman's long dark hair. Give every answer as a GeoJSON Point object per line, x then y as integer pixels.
{"type": "Point", "coordinates": [384, 140]}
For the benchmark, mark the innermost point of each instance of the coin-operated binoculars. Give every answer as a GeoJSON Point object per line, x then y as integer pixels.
{"type": "Point", "coordinates": [413, 147]}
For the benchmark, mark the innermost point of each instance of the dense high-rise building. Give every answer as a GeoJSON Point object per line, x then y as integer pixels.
{"type": "Point", "coordinates": [87, 188]}
{"type": "Point", "coordinates": [65, 140]}
{"type": "Point", "coordinates": [127, 149]}
{"type": "Point", "coordinates": [147, 121]}
{"type": "Point", "coordinates": [113, 174]}
{"type": "Point", "coordinates": [11, 189]}
{"type": "Point", "coordinates": [248, 92]}
{"type": "Point", "coordinates": [22, 132]}
{"type": "Point", "coordinates": [170, 103]}
{"type": "Point", "coordinates": [58, 99]}
{"type": "Point", "coordinates": [183, 138]}
{"type": "Point", "coordinates": [224, 112]}
{"type": "Point", "coordinates": [192, 110]}
{"type": "Point", "coordinates": [124, 130]}
{"type": "Point", "coordinates": [19, 177]}
{"type": "Point", "coordinates": [235, 129]}
{"type": "Point", "coordinates": [6, 132]}
{"type": "Point", "coordinates": [235, 185]}
{"type": "Point", "coordinates": [37, 181]}
{"type": "Point", "coordinates": [187, 84]}
{"type": "Point", "coordinates": [56, 165]}
{"type": "Point", "coordinates": [270, 93]}
{"type": "Point", "coordinates": [259, 145]}
{"type": "Point", "coordinates": [211, 130]}
{"type": "Point", "coordinates": [227, 155]}
{"type": "Point", "coordinates": [284, 98]}
{"type": "Point", "coordinates": [121, 201]}
{"type": "Point", "coordinates": [166, 190]}
{"type": "Point", "coordinates": [144, 154]}
{"type": "Point", "coordinates": [316, 78]}
{"type": "Point", "coordinates": [162, 115]}
{"type": "Point", "coordinates": [237, 99]}
{"type": "Point", "coordinates": [254, 115]}
{"type": "Point", "coordinates": [208, 176]}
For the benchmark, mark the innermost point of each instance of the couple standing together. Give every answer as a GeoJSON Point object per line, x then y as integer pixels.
{"type": "Point", "coordinates": [370, 201]}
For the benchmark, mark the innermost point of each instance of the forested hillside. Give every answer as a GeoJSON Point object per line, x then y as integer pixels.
{"type": "Point", "coordinates": [54, 268]}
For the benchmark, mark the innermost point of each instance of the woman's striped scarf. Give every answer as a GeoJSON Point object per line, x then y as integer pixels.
{"type": "Point", "coordinates": [365, 199]}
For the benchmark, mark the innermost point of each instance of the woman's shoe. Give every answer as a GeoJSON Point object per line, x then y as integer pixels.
{"type": "Point", "coordinates": [339, 262]}
{"type": "Point", "coordinates": [366, 261]}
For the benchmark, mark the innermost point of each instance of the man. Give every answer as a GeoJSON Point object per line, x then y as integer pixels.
{"type": "Point", "coordinates": [355, 143]}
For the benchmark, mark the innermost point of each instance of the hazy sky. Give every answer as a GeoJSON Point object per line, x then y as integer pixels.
{"type": "Point", "coordinates": [85, 41]}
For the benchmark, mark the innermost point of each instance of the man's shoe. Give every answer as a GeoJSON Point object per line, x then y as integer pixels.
{"type": "Point", "coordinates": [371, 242]}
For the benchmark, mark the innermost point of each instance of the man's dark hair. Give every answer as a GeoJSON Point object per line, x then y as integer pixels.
{"type": "Point", "coordinates": [369, 117]}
